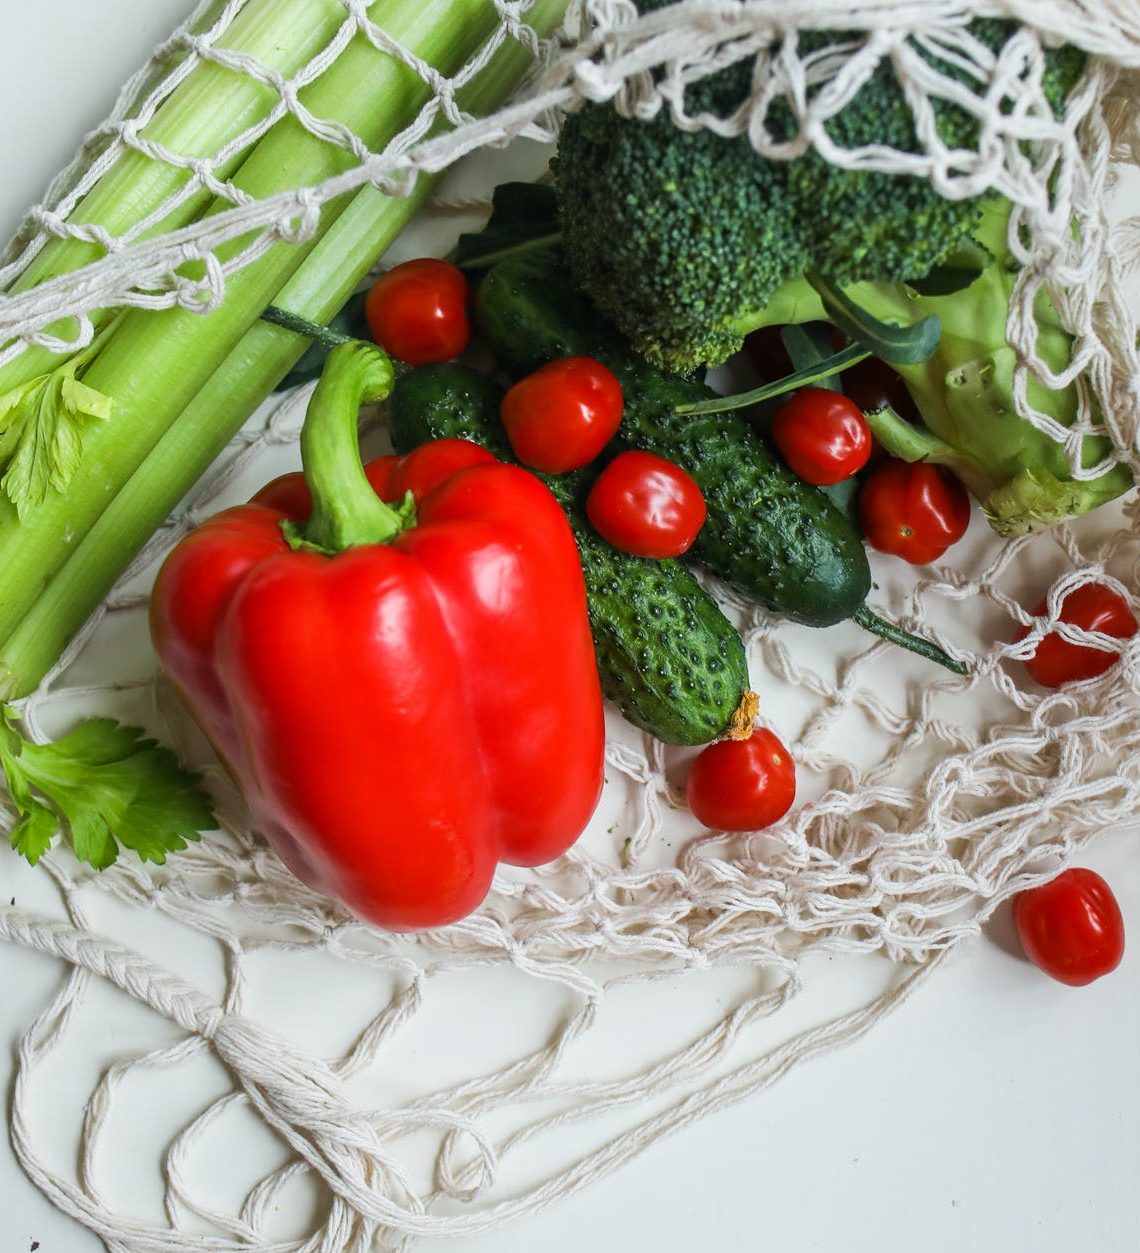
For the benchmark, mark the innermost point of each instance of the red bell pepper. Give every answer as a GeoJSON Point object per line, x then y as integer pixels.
{"type": "Point", "coordinates": [405, 696]}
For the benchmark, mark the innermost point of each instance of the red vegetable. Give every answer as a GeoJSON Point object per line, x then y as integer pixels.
{"type": "Point", "coordinates": [822, 435]}
{"type": "Point", "coordinates": [1091, 607]}
{"type": "Point", "coordinates": [873, 385]}
{"type": "Point", "coordinates": [561, 416]}
{"type": "Point", "coordinates": [1071, 928]}
{"type": "Point", "coordinates": [418, 311]}
{"type": "Point", "coordinates": [913, 510]}
{"type": "Point", "coordinates": [391, 477]}
{"type": "Point", "coordinates": [402, 706]}
{"type": "Point", "coordinates": [646, 505]}
{"type": "Point", "coordinates": [742, 785]}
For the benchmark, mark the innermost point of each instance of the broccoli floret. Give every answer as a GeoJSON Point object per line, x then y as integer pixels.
{"type": "Point", "coordinates": [689, 240]}
{"type": "Point", "coordinates": [700, 232]}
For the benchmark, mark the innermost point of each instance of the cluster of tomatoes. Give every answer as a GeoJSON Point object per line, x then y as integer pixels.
{"type": "Point", "coordinates": [562, 416]}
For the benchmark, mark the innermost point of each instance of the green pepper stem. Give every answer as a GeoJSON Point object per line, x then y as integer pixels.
{"type": "Point", "coordinates": [346, 511]}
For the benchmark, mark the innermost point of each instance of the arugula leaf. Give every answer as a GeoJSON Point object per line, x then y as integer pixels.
{"type": "Point", "coordinates": [41, 433]}
{"type": "Point", "coordinates": [900, 345]}
{"type": "Point", "coordinates": [523, 216]}
{"type": "Point", "coordinates": [105, 785]}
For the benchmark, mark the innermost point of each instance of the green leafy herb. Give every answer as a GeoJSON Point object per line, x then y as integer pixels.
{"type": "Point", "coordinates": [105, 785]}
{"type": "Point", "coordinates": [41, 433]}
{"type": "Point", "coordinates": [524, 216]}
{"type": "Point", "coordinates": [900, 345]}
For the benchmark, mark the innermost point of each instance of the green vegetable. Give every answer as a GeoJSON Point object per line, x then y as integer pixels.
{"type": "Point", "coordinates": [105, 786]}
{"type": "Point", "coordinates": [964, 393]}
{"type": "Point", "coordinates": [667, 656]}
{"type": "Point", "coordinates": [689, 240]}
{"type": "Point", "coordinates": [184, 385]}
{"type": "Point", "coordinates": [777, 539]}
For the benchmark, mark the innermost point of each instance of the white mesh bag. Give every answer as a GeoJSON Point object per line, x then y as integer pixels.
{"type": "Point", "coordinates": [926, 799]}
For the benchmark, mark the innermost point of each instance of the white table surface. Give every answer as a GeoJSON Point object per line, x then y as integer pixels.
{"type": "Point", "coordinates": [995, 1111]}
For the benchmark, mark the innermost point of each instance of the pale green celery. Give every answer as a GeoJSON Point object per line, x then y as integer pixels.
{"type": "Point", "coordinates": [155, 363]}
{"type": "Point", "coordinates": [211, 107]}
{"type": "Point", "coordinates": [329, 275]}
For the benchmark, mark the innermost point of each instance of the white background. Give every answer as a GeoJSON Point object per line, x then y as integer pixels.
{"type": "Point", "coordinates": [995, 1111]}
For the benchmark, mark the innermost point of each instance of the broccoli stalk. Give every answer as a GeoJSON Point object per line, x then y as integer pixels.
{"type": "Point", "coordinates": [688, 241]}
{"type": "Point", "coordinates": [964, 390]}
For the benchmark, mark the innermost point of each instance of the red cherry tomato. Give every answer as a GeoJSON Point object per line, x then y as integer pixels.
{"type": "Point", "coordinates": [1091, 607]}
{"type": "Point", "coordinates": [742, 785]}
{"type": "Point", "coordinates": [424, 468]}
{"type": "Point", "coordinates": [417, 311]}
{"type": "Point", "coordinates": [1071, 928]}
{"type": "Point", "coordinates": [392, 477]}
{"type": "Point", "coordinates": [290, 493]}
{"type": "Point", "coordinates": [913, 510]}
{"type": "Point", "coordinates": [822, 435]}
{"type": "Point", "coordinates": [646, 505]}
{"type": "Point", "coordinates": [561, 416]}
{"type": "Point", "coordinates": [873, 385]}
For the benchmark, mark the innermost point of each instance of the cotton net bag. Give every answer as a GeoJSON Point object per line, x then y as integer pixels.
{"type": "Point", "coordinates": [925, 801]}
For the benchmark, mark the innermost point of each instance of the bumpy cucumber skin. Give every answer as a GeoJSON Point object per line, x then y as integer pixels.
{"type": "Point", "coordinates": [780, 541]}
{"type": "Point", "coordinates": [667, 656]}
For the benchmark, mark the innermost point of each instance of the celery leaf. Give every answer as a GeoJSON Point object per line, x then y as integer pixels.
{"type": "Point", "coordinates": [41, 434]}
{"type": "Point", "coordinates": [106, 786]}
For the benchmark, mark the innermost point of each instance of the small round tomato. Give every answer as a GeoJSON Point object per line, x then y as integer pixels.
{"type": "Point", "coordinates": [417, 311]}
{"type": "Point", "coordinates": [913, 510]}
{"type": "Point", "coordinates": [646, 505]}
{"type": "Point", "coordinates": [822, 435]}
{"type": "Point", "coordinates": [290, 493]}
{"type": "Point", "coordinates": [424, 468]}
{"type": "Point", "coordinates": [742, 785]}
{"type": "Point", "coordinates": [561, 416]}
{"type": "Point", "coordinates": [873, 385]}
{"type": "Point", "coordinates": [1071, 928]}
{"type": "Point", "coordinates": [1091, 607]}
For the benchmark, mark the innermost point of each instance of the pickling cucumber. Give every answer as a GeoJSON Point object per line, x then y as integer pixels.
{"type": "Point", "coordinates": [667, 656]}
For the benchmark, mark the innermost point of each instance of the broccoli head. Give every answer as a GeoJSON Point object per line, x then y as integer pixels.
{"type": "Point", "coordinates": [689, 240]}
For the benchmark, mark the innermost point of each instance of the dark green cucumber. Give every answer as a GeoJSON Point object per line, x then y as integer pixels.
{"type": "Point", "coordinates": [777, 539]}
{"type": "Point", "coordinates": [668, 657]}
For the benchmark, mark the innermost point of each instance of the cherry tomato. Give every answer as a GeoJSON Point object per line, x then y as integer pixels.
{"type": "Point", "coordinates": [822, 435]}
{"type": "Point", "coordinates": [913, 510]}
{"type": "Point", "coordinates": [742, 785]}
{"type": "Point", "coordinates": [765, 351]}
{"type": "Point", "coordinates": [1091, 607]}
{"type": "Point", "coordinates": [873, 385]}
{"type": "Point", "coordinates": [392, 477]}
{"type": "Point", "coordinates": [1071, 928]}
{"type": "Point", "coordinates": [424, 468]}
{"type": "Point", "coordinates": [290, 493]}
{"type": "Point", "coordinates": [417, 311]}
{"type": "Point", "coordinates": [561, 416]}
{"type": "Point", "coordinates": [646, 505]}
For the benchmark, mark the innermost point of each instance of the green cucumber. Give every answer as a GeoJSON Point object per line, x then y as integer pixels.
{"type": "Point", "coordinates": [668, 657]}
{"type": "Point", "coordinates": [777, 539]}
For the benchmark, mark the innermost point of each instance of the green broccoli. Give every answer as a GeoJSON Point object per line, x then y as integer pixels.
{"type": "Point", "coordinates": [688, 241]}
{"type": "Point", "coordinates": [685, 239]}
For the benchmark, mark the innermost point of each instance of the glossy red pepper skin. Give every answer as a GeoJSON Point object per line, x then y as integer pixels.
{"type": "Point", "coordinates": [400, 717]}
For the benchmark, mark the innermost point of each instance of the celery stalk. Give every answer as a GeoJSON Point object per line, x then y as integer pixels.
{"type": "Point", "coordinates": [155, 363]}
{"type": "Point", "coordinates": [329, 275]}
{"type": "Point", "coordinates": [210, 108]}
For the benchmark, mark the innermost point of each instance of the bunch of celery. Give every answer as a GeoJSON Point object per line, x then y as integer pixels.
{"type": "Point", "coordinates": [101, 447]}
{"type": "Point", "coordinates": [98, 448]}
